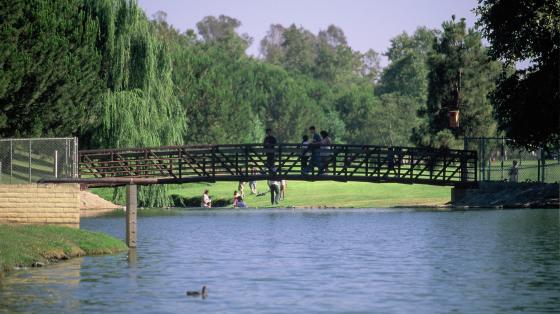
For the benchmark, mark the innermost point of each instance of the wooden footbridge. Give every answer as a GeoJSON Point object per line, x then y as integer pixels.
{"type": "Point", "coordinates": [245, 162]}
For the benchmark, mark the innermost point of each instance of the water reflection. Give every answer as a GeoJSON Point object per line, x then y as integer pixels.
{"type": "Point", "coordinates": [42, 288]}
{"type": "Point", "coordinates": [310, 261]}
{"type": "Point", "coordinates": [132, 258]}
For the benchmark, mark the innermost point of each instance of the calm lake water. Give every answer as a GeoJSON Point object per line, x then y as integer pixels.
{"type": "Point", "coordinates": [309, 261]}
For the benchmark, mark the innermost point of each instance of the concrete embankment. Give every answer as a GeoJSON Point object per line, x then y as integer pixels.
{"type": "Point", "coordinates": [508, 195]}
{"type": "Point", "coordinates": [53, 204]}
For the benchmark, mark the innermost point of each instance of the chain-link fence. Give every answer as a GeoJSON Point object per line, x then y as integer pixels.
{"type": "Point", "coordinates": [29, 160]}
{"type": "Point", "coordinates": [497, 155]}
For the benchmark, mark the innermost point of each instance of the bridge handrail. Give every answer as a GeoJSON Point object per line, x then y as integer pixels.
{"type": "Point", "coordinates": [260, 145]}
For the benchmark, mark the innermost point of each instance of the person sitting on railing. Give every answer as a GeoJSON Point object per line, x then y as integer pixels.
{"type": "Point", "coordinates": [206, 201]}
{"type": "Point", "coordinates": [269, 144]}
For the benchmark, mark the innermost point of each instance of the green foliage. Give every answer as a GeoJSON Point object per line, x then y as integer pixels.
{"type": "Point", "coordinates": [139, 108]}
{"type": "Point", "coordinates": [102, 70]}
{"type": "Point", "coordinates": [49, 66]}
{"type": "Point", "coordinates": [527, 102]}
{"type": "Point", "coordinates": [461, 74]}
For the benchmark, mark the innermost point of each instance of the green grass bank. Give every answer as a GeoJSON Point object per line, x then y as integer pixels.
{"type": "Point", "coordinates": [314, 194]}
{"type": "Point", "coordinates": [24, 246]}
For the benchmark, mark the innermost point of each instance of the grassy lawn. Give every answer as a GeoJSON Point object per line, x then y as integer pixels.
{"type": "Point", "coordinates": [326, 193]}
{"type": "Point", "coordinates": [24, 245]}
{"type": "Point", "coordinates": [315, 194]}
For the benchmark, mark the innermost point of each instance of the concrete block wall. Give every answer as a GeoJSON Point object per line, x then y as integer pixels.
{"type": "Point", "coordinates": [53, 204]}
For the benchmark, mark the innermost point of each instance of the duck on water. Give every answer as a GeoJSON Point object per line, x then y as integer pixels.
{"type": "Point", "coordinates": [202, 293]}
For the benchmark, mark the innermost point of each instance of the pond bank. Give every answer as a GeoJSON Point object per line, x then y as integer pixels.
{"type": "Point", "coordinates": [35, 246]}
{"type": "Point", "coordinates": [510, 195]}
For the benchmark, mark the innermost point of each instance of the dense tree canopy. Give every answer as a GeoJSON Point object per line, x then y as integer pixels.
{"type": "Point", "coordinates": [461, 77]}
{"type": "Point", "coordinates": [48, 78]}
{"type": "Point", "coordinates": [103, 71]}
{"type": "Point", "coordinates": [527, 102]}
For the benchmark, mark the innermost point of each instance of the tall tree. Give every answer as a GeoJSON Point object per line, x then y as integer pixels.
{"type": "Point", "coordinates": [461, 73]}
{"type": "Point", "coordinates": [405, 82]}
{"type": "Point", "coordinates": [222, 30]}
{"type": "Point", "coordinates": [271, 45]}
{"type": "Point", "coordinates": [139, 107]}
{"type": "Point", "coordinates": [527, 102]}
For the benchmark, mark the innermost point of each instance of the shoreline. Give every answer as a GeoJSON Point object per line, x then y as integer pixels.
{"type": "Point", "coordinates": [29, 246]}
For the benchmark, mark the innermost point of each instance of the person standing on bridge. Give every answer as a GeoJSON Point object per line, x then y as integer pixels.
{"type": "Point", "coordinates": [326, 143]}
{"type": "Point", "coordinates": [305, 153]}
{"type": "Point", "coordinates": [269, 144]}
{"type": "Point", "coordinates": [315, 147]}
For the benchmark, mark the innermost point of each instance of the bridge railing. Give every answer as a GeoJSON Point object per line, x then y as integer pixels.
{"type": "Point", "coordinates": [243, 162]}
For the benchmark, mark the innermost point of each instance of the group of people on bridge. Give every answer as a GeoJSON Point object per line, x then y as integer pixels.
{"type": "Point", "coordinates": [315, 151]}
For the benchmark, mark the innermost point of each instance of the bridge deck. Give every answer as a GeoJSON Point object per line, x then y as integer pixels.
{"type": "Point", "coordinates": [210, 163]}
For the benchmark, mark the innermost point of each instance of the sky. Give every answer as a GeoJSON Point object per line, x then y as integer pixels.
{"type": "Point", "coordinates": [366, 23]}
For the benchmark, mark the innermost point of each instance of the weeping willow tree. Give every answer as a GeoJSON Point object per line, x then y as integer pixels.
{"type": "Point", "coordinates": [139, 107]}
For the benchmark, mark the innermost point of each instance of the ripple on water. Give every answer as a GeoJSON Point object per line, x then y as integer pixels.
{"type": "Point", "coordinates": [306, 261]}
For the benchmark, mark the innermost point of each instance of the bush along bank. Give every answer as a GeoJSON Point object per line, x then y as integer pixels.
{"type": "Point", "coordinates": [39, 245]}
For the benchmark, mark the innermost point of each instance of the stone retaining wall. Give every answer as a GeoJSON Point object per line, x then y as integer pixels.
{"type": "Point", "coordinates": [56, 204]}
{"type": "Point", "coordinates": [508, 195]}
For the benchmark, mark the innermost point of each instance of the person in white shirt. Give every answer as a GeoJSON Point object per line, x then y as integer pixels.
{"type": "Point", "coordinates": [206, 201]}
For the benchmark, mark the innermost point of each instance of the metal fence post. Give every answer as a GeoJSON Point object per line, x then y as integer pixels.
{"type": "Point", "coordinates": [11, 159]}
{"type": "Point", "coordinates": [30, 160]}
{"type": "Point", "coordinates": [543, 164]}
{"type": "Point", "coordinates": [502, 154]}
{"type": "Point", "coordinates": [76, 159]}
{"type": "Point", "coordinates": [56, 164]}
{"type": "Point", "coordinates": [481, 154]}
{"type": "Point", "coordinates": [539, 166]}
{"type": "Point", "coordinates": [66, 153]}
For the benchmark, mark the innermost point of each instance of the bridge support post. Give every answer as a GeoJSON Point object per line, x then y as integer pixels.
{"type": "Point", "coordinates": [131, 214]}
{"type": "Point", "coordinates": [458, 193]}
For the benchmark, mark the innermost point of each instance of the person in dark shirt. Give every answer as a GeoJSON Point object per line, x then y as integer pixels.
{"type": "Point", "coordinates": [305, 153]}
{"type": "Point", "coordinates": [315, 147]}
{"type": "Point", "coordinates": [269, 145]}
